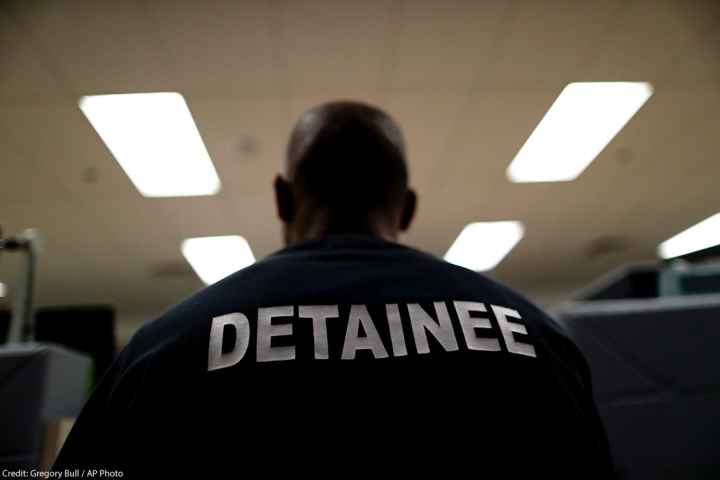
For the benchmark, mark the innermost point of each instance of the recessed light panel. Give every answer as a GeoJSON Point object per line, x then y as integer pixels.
{"type": "Point", "coordinates": [700, 236]}
{"type": "Point", "coordinates": [156, 142]}
{"type": "Point", "coordinates": [584, 118]}
{"type": "Point", "coordinates": [481, 246]}
{"type": "Point", "coordinates": [214, 258]}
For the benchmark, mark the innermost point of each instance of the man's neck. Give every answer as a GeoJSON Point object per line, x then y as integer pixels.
{"type": "Point", "coordinates": [318, 232]}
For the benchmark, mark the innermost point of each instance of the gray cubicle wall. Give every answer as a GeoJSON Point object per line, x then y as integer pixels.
{"type": "Point", "coordinates": [38, 382]}
{"type": "Point", "coordinates": [656, 373]}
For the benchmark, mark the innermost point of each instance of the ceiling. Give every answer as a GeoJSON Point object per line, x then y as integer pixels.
{"type": "Point", "coordinates": [467, 80]}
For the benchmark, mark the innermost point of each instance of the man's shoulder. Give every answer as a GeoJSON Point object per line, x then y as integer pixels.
{"type": "Point", "coordinates": [279, 275]}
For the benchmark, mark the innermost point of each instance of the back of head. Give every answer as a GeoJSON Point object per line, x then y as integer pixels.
{"type": "Point", "coordinates": [346, 162]}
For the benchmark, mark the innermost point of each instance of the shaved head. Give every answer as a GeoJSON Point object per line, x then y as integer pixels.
{"type": "Point", "coordinates": [343, 118]}
{"type": "Point", "coordinates": [346, 167]}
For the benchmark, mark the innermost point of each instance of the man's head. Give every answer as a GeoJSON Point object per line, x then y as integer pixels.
{"type": "Point", "coordinates": [345, 172]}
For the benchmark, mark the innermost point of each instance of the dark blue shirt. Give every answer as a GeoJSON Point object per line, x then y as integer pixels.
{"type": "Point", "coordinates": [344, 356]}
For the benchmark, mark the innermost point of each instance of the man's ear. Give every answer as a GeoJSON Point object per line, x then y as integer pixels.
{"type": "Point", "coordinates": [409, 209]}
{"type": "Point", "coordinates": [284, 199]}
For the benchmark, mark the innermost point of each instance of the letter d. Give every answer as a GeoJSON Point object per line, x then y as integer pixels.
{"type": "Point", "coordinates": [216, 358]}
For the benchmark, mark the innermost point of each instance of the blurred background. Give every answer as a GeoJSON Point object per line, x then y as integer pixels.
{"type": "Point", "coordinates": [468, 81]}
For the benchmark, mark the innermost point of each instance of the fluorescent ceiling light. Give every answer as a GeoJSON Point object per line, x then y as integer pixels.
{"type": "Point", "coordinates": [577, 127]}
{"type": "Point", "coordinates": [700, 236]}
{"type": "Point", "coordinates": [482, 245]}
{"type": "Point", "coordinates": [214, 258]}
{"type": "Point", "coordinates": [155, 140]}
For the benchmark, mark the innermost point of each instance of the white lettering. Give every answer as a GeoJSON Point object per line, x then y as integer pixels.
{"type": "Point", "coordinates": [266, 330]}
{"type": "Point", "coordinates": [216, 358]}
{"type": "Point", "coordinates": [359, 315]}
{"type": "Point", "coordinates": [442, 330]}
{"type": "Point", "coordinates": [319, 315]}
{"type": "Point", "coordinates": [507, 328]}
{"type": "Point", "coordinates": [361, 333]}
{"type": "Point", "coordinates": [396, 332]}
{"type": "Point", "coordinates": [469, 324]}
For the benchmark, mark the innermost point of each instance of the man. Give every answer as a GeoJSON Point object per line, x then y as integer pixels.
{"type": "Point", "coordinates": [346, 353]}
